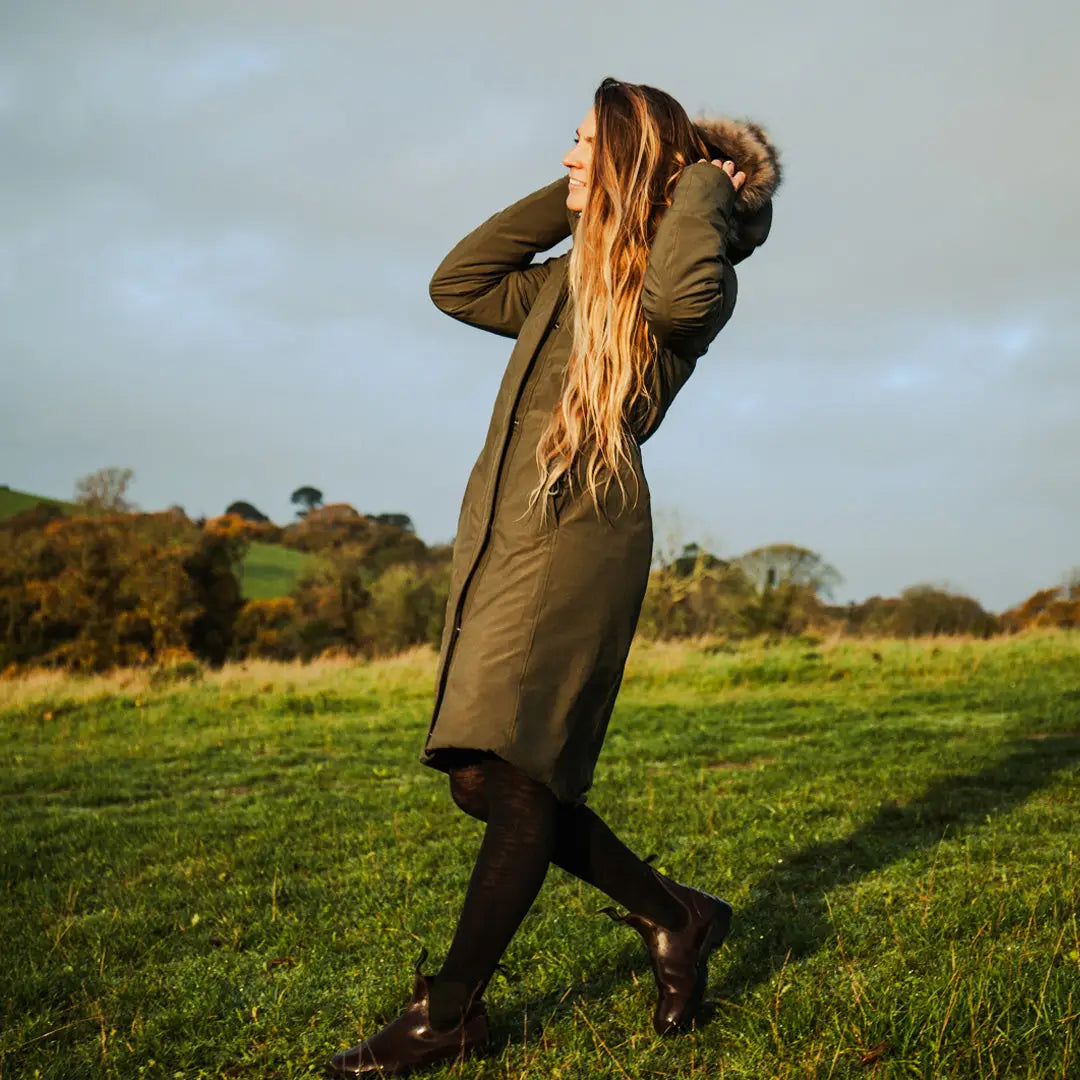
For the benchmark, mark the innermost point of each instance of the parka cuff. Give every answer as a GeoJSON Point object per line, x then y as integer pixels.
{"type": "Point", "coordinates": [703, 188]}
{"type": "Point", "coordinates": [540, 217]}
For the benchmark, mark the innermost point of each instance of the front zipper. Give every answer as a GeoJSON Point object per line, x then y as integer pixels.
{"type": "Point", "coordinates": [511, 429]}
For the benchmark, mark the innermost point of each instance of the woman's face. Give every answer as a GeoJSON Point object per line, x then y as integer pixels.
{"type": "Point", "coordinates": [579, 161]}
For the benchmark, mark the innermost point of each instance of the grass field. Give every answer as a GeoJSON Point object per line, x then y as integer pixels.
{"type": "Point", "coordinates": [13, 502]}
{"type": "Point", "coordinates": [233, 878]}
{"type": "Point", "coordinates": [270, 570]}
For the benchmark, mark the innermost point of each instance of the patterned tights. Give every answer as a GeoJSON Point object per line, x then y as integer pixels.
{"type": "Point", "coordinates": [527, 828]}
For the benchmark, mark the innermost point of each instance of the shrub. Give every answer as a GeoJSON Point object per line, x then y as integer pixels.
{"type": "Point", "coordinates": [268, 629]}
{"type": "Point", "coordinates": [1046, 608]}
{"type": "Point", "coordinates": [694, 595]}
{"type": "Point", "coordinates": [698, 594]}
{"type": "Point", "coordinates": [176, 666]}
{"type": "Point", "coordinates": [32, 518]}
{"type": "Point", "coordinates": [235, 526]}
{"type": "Point", "coordinates": [93, 593]}
{"type": "Point", "coordinates": [90, 593]}
{"type": "Point", "coordinates": [339, 527]}
{"type": "Point", "coordinates": [245, 510]}
{"type": "Point", "coordinates": [921, 610]}
{"type": "Point", "coordinates": [404, 606]}
{"type": "Point", "coordinates": [346, 603]}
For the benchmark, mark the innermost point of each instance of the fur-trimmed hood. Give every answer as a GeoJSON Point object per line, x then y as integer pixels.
{"type": "Point", "coordinates": [753, 152]}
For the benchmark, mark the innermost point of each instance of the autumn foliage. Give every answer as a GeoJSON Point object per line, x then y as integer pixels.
{"type": "Point", "coordinates": [1046, 608]}
{"type": "Point", "coordinates": [90, 593]}
{"type": "Point", "coordinates": [117, 589]}
{"type": "Point", "coordinates": [269, 630]}
{"type": "Point", "coordinates": [237, 527]}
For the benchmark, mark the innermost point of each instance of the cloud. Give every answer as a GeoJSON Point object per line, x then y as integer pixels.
{"type": "Point", "coordinates": [219, 222]}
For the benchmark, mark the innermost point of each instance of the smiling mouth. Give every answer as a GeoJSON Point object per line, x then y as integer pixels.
{"type": "Point", "coordinates": [576, 183]}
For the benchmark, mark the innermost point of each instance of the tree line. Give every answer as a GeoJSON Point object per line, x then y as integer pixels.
{"type": "Point", "coordinates": [110, 586]}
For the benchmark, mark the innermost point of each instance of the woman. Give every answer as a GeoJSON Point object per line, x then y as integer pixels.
{"type": "Point", "coordinates": [554, 539]}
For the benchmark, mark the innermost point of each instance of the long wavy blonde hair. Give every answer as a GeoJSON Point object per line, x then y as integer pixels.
{"type": "Point", "coordinates": [644, 139]}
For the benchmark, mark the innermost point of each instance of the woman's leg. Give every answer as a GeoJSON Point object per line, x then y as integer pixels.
{"type": "Point", "coordinates": [587, 848]}
{"type": "Point", "coordinates": [522, 819]}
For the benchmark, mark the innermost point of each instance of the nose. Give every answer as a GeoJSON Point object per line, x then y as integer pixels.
{"type": "Point", "coordinates": [569, 160]}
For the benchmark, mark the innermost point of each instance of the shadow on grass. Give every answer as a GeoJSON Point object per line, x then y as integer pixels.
{"type": "Point", "coordinates": [771, 931]}
{"type": "Point", "coordinates": [521, 1024]}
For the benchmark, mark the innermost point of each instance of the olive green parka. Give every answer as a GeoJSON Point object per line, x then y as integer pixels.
{"type": "Point", "coordinates": [540, 617]}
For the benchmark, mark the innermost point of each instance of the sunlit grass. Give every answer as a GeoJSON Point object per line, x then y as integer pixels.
{"type": "Point", "coordinates": [271, 570]}
{"type": "Point", "coordinates": [229, 874]}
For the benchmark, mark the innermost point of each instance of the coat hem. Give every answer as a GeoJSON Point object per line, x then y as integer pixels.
{"type": "Point", "coordinates": [445, 758]}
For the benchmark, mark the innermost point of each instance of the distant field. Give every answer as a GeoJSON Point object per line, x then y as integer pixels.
{"type": "Point", "coordinates": [233, 877]}
{"type": "Point", "coordinates": [268, 570]}
{"type": "Point", "coordinates": [271, 570]}
{"type": "Point", "coordinates": [12, 502]}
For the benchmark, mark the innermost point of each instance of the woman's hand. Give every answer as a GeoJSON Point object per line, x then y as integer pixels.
{"type": "Point", "coordinates": [737, 178]}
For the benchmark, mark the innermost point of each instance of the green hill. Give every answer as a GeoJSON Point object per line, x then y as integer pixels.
{"type": "Point", "coordinates": [13, 502]}
{"type": "Point", "coordinates": [268, 570]}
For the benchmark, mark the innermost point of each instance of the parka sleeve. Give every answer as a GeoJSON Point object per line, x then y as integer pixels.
{"type": "Point", "coordinates": [488, 279]}
{"type": "Point", "coordinates": [689, 287]}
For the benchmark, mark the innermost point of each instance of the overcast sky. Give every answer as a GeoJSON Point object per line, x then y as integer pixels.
{"type": "Point", "coordinates": [219, 222]}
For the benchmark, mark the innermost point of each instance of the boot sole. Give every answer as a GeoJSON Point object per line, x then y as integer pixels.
{"type": "Point", "coordinates": [477, 1049]}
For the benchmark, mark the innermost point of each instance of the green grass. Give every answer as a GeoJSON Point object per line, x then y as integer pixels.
{"type": "Point", "coordinates": [12, 502]}
{"type": "Point", "coordinates": [233, 878]}
{"type": "Point", "coordinates": [270, 570]}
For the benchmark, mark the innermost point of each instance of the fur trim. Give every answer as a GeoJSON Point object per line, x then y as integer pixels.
{"type": "Point", "coordinates": [753, 152]}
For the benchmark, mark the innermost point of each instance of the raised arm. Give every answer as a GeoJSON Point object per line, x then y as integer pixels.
{"type": "Point", "coordinates": [689, 288]}
{"type": "Point", "coordinates": [488, 280]}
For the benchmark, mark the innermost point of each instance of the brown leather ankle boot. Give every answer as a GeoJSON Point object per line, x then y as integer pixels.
{"type": "Point", "coordinates": [680, 958]}
{"type": "Point", "coordinates": [410, 1042]}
